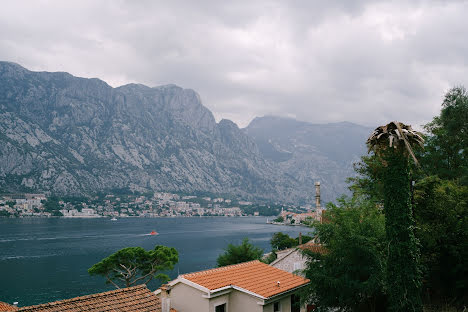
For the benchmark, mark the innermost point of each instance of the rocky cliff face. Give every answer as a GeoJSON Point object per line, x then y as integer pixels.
{"type": "Point", "coordinates": [311, 152]}
{"type": "Point", "coordinates": [70, 135]}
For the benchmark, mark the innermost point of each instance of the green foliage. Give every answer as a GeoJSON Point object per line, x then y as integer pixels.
{"type": "Point", "coordinates": [270, 258]}
{"type": "Point", "coordinates": [280, 219]}
{"type": "Point", "coordinates": [446, 149]}
{"type": "Point", "coordinates": [368, 181]}
{"type": "Point", "coordinates": [280, 241]}
{"type": "Point", "coordinates": [351, 275]}
{"type": "Point", "coordinates": [239, 253]}
{"type": "Point", "coordinates": [403, 271]}
{"type": "Point", "coordinates": [11, 203]}
{"type": "Point", "coordinates": [52, 204]}
{"type": "Point", "coordinates": [4, 214]}
{"type": "Point", "coordinates": [440, 205]}
{"type": "Point", "coordinates": [135, 265]}
{"type": "Point", "coordinates": [441, 212]}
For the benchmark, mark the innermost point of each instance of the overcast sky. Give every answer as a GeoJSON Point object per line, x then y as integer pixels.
{"type": "Point", "coordinates": [367, 62]}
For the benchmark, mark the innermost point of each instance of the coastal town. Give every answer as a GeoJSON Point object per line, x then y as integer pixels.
{"type": "Point", "coordinates": [158, 204]}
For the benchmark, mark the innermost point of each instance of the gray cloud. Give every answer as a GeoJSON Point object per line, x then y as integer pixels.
{"type": "Point", "coordinates": [321, 61]}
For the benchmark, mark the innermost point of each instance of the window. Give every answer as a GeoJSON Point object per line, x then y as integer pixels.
{"type": "Point", "coordinates": [276, 307]}
{"type": "Point", "coordinates": [221, 308]}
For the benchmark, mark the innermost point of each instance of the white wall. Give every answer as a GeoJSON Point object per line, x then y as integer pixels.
{"type": "Point", "coordinates": [187, 299]}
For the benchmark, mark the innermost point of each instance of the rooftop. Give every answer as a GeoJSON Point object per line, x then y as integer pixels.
{"type": "Point", "coordinates": [313, 247]}
{"type": "Point", "coordinates": [7, 307]}
{"type": "Point", "coordinates": [132, 299]}
{"type": "Point", "coordinates": [254, 276]}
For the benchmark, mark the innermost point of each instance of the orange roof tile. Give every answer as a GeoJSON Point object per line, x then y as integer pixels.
{"type": "Point", "coordinates": [132, 299]}
{"type": "Point", "coordinates": [253, 276]}
{"type": "Point", "coordinates": [316, 248]}
{"type": "Point", "coordinates": [7, 307]}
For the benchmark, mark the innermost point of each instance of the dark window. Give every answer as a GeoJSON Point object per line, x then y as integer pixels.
{"type": "Point", "coordinates": [295, 303]}
{"type": "Point", "coordinates": [276, 307]}
{"type": "Point", "coordinates": [221, 308]}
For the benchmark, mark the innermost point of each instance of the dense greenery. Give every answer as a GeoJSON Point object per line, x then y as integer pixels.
{"type": "Point", "coordinates": [446, 148]}
{"type": "Point", "coordinates": [135, 265]}
{"type": "Point", "coordinates": [52, 205]}
{"type": "Point", "coordinates": [440, 206]}
{"type": "Point", "coordinates": [403, 272]}
{"type": "Point", "coordinates": [234, 254]}
{"type": "Point", "coordinates": [4, 214]}
{"type": "Point", "coordinates": [280, 241]}
{"type": "Point", "coordinates": [351, 275]}
{"type": "Point", "coordinates": [441, 213]}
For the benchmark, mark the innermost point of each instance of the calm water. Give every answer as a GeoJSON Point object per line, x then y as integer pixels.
{"type": "Point", "coordinates": [44, 260]}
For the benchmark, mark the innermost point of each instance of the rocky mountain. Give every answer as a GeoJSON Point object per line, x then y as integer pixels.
{"type": "Point", "coordinates": [70, 135]}
{"type": "Point", "coordinates": [311, 152]}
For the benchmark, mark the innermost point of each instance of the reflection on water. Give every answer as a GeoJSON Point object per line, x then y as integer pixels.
{"type": "Point", "coordinates": [47, 259]}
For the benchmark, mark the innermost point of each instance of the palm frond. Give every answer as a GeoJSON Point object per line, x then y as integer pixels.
{"type": "Point", "coordinates": [395, 135]}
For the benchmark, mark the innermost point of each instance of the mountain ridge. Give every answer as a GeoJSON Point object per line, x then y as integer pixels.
{"type": "Point", "coordinates": [72, 135]}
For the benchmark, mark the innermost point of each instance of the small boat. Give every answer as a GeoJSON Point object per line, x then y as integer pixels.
{"type": "Point", "coordinates": [154, 233]}
{"type": "Point", "coordinates": [114, 219]}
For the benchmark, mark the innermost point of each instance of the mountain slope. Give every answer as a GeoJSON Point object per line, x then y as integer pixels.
{"type": "Point", "coordinates": [311, 152]}
{"type": "Point", "coordinates": [72, 135]}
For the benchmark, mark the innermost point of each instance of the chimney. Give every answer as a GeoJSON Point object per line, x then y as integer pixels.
{"type": "Point", "coordinates": [165, 298]}
{"type": "Point", "coordinates": [317, 195]}
{"type": "Point", "coordinates": [300, 238]}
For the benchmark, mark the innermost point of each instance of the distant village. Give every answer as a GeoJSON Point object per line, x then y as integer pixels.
{"type": "Point", "coordinates": [158, 204]}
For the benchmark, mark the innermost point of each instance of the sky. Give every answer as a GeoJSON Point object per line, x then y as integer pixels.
{"type": "Point", "coordinates": [367, 62]}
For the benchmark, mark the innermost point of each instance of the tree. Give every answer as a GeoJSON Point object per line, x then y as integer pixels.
{"type": "Point", "coordinates": [135, 265]}
{"type": "Point", "coordinates": [279, 219]}
{"type": "Point", "coordinates": [447, 143]}
{"type": "Point", "coordinates": [368, 181]}
{"type": "Point", "coordinates": [441, 212]}
{"type": "Point", "coordinates": [234, 254]}
{"type": "Point", "coordinates": [351, 274]}
{"type": "Point", "coordinates": [394, 144]}
{"type": "Point", "coordinates": [281, 241]}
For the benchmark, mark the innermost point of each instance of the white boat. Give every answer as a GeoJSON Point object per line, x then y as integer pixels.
{"type": "Point", "coordinates": [114, 219]}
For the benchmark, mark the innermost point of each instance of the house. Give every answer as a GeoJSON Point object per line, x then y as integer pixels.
{"type": "Point", "coordinates": [250, 286]}
{"type": "Point", "coordinates": [132, 299]}
{"type": "Point", "coordinates": [293, 260]}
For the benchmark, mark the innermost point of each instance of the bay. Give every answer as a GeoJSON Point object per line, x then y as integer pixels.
{"type": "Point", "coordinates": [43, 260]}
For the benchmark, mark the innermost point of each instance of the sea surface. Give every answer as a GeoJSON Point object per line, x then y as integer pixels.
{"type": "Point", "coordinates": [44, 260]}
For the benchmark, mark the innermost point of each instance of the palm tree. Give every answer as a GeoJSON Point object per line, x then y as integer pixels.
{"type": "Point", "coordinates": [394, 144]}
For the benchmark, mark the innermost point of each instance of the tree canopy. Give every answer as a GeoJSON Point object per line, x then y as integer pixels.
{"type": "Point", "coordinates": [447, 143]}
{"type": "Point", "coordinates": [281, 241]}
{"type": "Point", "coordinates": [351, 275]}
{"type": "Point", "coordinates": [440, 206]}
{"type": "Point", "coordinates": [234, 254]}
{"type": "Point", "coordinates": [135, 265]}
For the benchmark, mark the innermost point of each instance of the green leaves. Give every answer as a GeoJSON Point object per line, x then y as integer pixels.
{"type": "Point", "coordinates": [135, 265]}
{"type": "Point", "coordinates": [239, 253]}
{"type": "Point", "coordinates": [280, 241]}
{"type": "Point", "coordinates": [447, 145]}
{"type": "Point", "coordinates": [352, 274]}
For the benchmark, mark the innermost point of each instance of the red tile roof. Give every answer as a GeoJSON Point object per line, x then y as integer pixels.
{"type": "Point", "coordinates": [253, 276]}
{"type": "Point", "coordinates": [7, 307]}
{"type": "Point", "coordinates": [313, 247]}
{"type": "Point", "coordinates": [132, 299]}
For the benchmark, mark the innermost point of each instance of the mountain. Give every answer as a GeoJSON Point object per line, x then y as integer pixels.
{"type": "Point", "coordinates": [70, 135]}
{"type": "Point", "coordinates": [311, 152]}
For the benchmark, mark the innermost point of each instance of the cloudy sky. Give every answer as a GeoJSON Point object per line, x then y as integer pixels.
{"type": "Point", "coordinates": [367, 62]}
